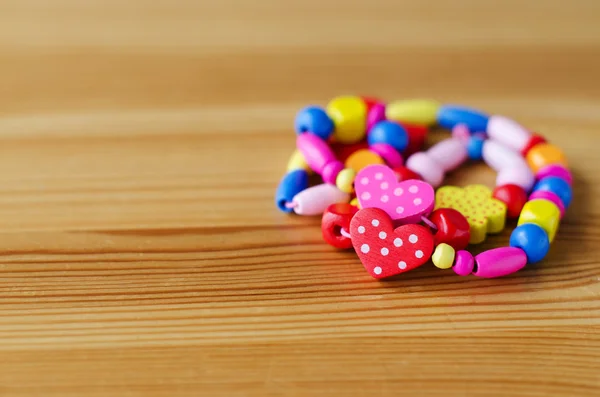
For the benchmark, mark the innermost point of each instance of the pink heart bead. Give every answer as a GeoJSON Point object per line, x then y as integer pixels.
{"type": "Point", "coordinates": [377, 187]}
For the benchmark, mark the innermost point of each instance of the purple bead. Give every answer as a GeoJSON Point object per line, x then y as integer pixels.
{"type": "Point", "coordinates": [376, 114]}
{"type": "Point", "coordinates": [555, 170]}
{"type": "Point", "coordinates": [464, 263]}
{"type": "Point", "coordinates": [390, 155]}
{"type": "Point", "coordinates": [500, 262]}
{"type": "Point", "coordinates": [550, 196]}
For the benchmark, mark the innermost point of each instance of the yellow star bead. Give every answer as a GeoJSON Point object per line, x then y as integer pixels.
{"type": "Point", "coordinates": [484, 213]}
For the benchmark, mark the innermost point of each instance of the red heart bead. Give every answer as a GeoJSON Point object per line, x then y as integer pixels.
{"type": "Point", "coordinates": [452, 228]}
{"type": "Point", "coordinates": [385, 251]}
{"type": "Point", "coordinates": [513, 196]}
{"type": "Point", "coordinates": [335, 218]}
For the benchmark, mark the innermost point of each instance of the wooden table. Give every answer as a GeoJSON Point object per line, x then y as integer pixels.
{"type": "Point", "coordinates": [141, 252]}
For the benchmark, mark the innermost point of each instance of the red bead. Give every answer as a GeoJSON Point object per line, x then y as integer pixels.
{"type": "Point", "coordinates": [370, 102]}
{"type": "Point", "coordinates": [404, 174]}
{"type": "Point", "coordinates": [342, 151]}
{"type": "Point", "coordinates": [453, 228]}
{"type": "Point", "coordinates": [533, 141]}
{"type": "Point", "coordinates": [335, 218]}
{"type": "Point", "coordinates": [513, 196]}
{"type": "Point", "coordinates": [416, 138]}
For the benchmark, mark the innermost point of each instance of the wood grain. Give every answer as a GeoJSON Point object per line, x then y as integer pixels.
{"type": "Point", "coordinates": [140, 250]}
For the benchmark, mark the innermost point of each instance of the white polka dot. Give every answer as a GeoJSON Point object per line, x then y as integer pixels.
{"type": "Point", "coordinates": [413, 189]}
{"type": "Point", "coordinates": [398, 242]}
{"type": "Point", "coordinates": [382, 235]}
{"type": "Point", "coordinates": [375, 222]}
{"type": "Point", "coordinates": [364, 181]}
{"type": "Point", "coordinates": [384, 185]}
{"type": "Point", "coordinates": [365, 196]}
{"type": "Point", "coordinates": [399, 210]}
{"type": "Point", "coordinates": [385, 251]}
{"type": "Point", "coordinates": [413, 238]}
{"type": "Point", "coordinates": [419, 254]}
{"type": "Point", "coordinates": [417, 201]}
{"type": "Point", "coordinates": [377, 270]}
{"type": "Point", "coordinates": [379, 176]}
{"type": "Point", "coordinates": [402, 265]}
{"type": "Point", "coordinates": [361, 229]}
{"type": "Point", "coordinates": [365, 248]}
{"type": "Point", "coordinates": [385, 198]}
{"type": "Point", "coordinates": [398, 191]}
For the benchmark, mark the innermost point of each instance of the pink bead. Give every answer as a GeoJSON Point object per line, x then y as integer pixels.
{"type": "Point", "coordinates": [331, 171]}
{"type": "Point", "coordinates": [316, 152]}
{"type": "Point", "coordinates": [546, 195]}
{"type": "Point", "coordinates": [449, 153]}
{"type": "Point", "coordinates": [508, 132]}
{"type": "Point", "coordinates": [464, 263]}
{"type": "Point", "coordinates": [520, 176]}
{"type": "Point", "coordinates": [461, 132]}
{"type": "Point", "coordinates": [390, 155]}
{"type": "Point", "coordinates": [424, 165]}
{"type": "Point", "coordinates": [376, 114]}
{"type": "Point", "coordinates": [555, 170]}
{"type": "Point", "coordinates": [500, 262]}
{"type": "Point", "coordinates": [316, 199]}
{"type": "Point", "coordinates": [499, 156]}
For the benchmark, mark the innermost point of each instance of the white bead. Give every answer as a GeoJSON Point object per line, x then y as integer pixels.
{"type": "Point", "coordinates": [499, 156]}
{"type": "Point", "coordinates": [508, 132]}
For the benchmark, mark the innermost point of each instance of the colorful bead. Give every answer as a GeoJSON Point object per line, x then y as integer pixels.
{"type": "Point", "coordinates": [464, 263]}
{"type": "Point", "coordinates": [297, 162]}
{"type": "Point", "coordinates": [546, 195]}
{"type": "Point", "coordinates": [543, 213]}
{"type": "Point", "coordinates": [534, 140]}
{"type": "Point", "coordinates": [336, 218]}
{"type": "Point", "coordinates": [558, 186]}
{"type": "Point", "coordinates": [416, 138]}
{"type": "Point", "coordinates": [342, 152]}
{"type": "Point", "coordinates": [316, 199]}
{"type": "Point", "coordinates": [354, 202]}
{"type": "Point", "coordinates": [555, 170]}
{"type": "Point", "coordinates": [508, 132]}
{"type": "Point", "coordinates": [404, 174]}
{"type": "Point", "coordinates": [450, 115]}
{"type": "Point", "coordinates": [345, 180]}
{"type": "Point", "coordinates": [498, 156]}
{"type": "Point", "coordinates": [461, 132]}
{"type": "Point", "coordinates": [443, 256]}
{"type": "Point", "coordinates": [519, 175]}
{"type": "Point", "coordinates": [390, 155]}
{"type": "Point", "coordinates": [362, 158]}
{"type": "Point", "coordinates": [449, 153]}
{"type": "Point", "coordinates": [545, 154]}
{"type": "Point", "coordinates": [291, 184]}
{"type": "Point", "coordinates": [513, 196]}
{"type": "Point", "coordinates": [314, 119]}
{"type": "Point", "coordinates": [389, 132]}
{"type": "Point", "coordinates": [500, 262]}
{"type": "Point", "coordinates": [375, 115]}
{"type": "Point", "coordinates": [475, 148]}
{"type": "Point", "coordinates": [532, 239]}
{"type": "Point", "coordinates": [430, 171]}
{"type": "Point", "coordinates": [452, 228]}
{"type": "Point", "coordinates": [316, 152]}
{"type": "Point", "coordinates": [416, 111]}
{"type": "Point", "coordinates": [349, 114]}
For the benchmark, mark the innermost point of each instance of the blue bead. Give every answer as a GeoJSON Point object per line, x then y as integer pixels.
{"type": "Point", "coordinates": [532, 239]}
{"type": "Point", "coordinates": [291, 184]}
{"type": "Point", "coordinates": [389, 132]}
{"type": "Point", "coordinates": [450, 115]}
{"type": "Point", "coordinates": [475, 148]}
{"type": "Point", "coordinates": [557, 186]}
{"type": "Point", "coordinates": [314, 119]}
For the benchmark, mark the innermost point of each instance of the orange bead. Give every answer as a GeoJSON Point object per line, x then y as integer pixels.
{"type": "Point", "coordinates": [361, 158]}
{"type": "Point", "coordinates": [545, 154]}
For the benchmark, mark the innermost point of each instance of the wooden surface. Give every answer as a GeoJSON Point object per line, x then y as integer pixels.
{"type": "Point", "coordinates": [141, 253]}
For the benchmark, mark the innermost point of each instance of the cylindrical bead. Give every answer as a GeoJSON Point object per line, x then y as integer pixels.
{"type": "Point", "coordinates": [314, 200]}
{"type": "Point", "coordinates": [556, 170]}
{"type": "Point", "coordinates": [375, 115]}
{"type": "Point", "coordinates": [335, 218]}
{"type": "Point", "coordinates": [345, 180]}
{"type": "Point", "coordinates": [543, 213]}
{"type": "Point", "coordinates": [558, 186]}
{"type": "Point", "coordinates": [414, 111]}
{"type": "Point", "coordinates": [450, 115]}
{"type": "Point", "coordinates": [316, 152]}
{"type": "Point", "coordinates": [532, 239]}
{"type": "Point", "coordinates": [443, 256]}
{"type": "Point", "coordinates": [389, 132]}
{"type": "Point", "coordinates": [464, 263]}
{"type": "Point", "coordinates": [546, 195]}
{"type": "Point", "coordinates": [449, 153]}
{"type": "Point", "coordinates": [362, 158]}
{"type": "Point", "coordinates": [314, 119]}
{"type": "Point", "coordinates": [500, 262]}
{"type": "Point", "coordinates": [331, 171]}
{"type": "Point", "coordinates": [349, 114]}
{"type": "Point", "coordinates": [520, 175]}
{"type": "Point", "coordinates": [475, 148]}
{"type": "Point", "coordinates": [498, 156]}
{"type": "Point", "coordinates": [291, 184]}
{"type": "Point", "coordinates": [297, 162]}
{"type": "Point", "coordinates": [545, 154]}
{"type": "Point", "coordinates": [508, 132]}
{"type": "Point", "coordinates": [390, 155]}
{"type": "Point", "coordinates": [429, 169]}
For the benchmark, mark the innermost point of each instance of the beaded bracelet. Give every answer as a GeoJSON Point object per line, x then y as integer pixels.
{"type": "Point", "coordinates": [388, 211]}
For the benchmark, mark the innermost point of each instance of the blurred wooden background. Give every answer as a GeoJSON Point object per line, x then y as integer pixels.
{"type": "Point", "coordinates": [140, 250]}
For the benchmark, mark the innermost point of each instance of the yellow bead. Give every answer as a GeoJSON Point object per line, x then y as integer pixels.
{"type": "Point", "coordinates": [345, 180]}
{"type": "Point", "coordinates": [543, 213]}
{"type": "Point", "coordinates": [415, 111]}
{"type": "Point", "coordinates": [545, 154]}
{"type": "Point", "coordinates": [349, 114]}
{"type": "Point", "coordinates": [354, 202]}
{"type": "Point", "coordinates": [362, 158]}
{"type": "Point", "coordinates": [297, 162]}
{"type": "Point", "coordinates": [443, 256]}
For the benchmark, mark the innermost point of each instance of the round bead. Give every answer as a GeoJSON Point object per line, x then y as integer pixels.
{"type": "Point", "coordinates": [513, 196]}
{"type": "Point", "coordinates": [314, 119]}
{"type": "Point", "coordinates": [316, 199]}
{"type": "Point", "coordinates": [342, 151]}
{"type": "Point", "coordinates": [498, 156]}
{"type": "Point", "coordinates": [390, 155]}
{"type": "Point", "coordinates": [546, 195]}
{"type": "Point", "coordinates": [416, 138]}
{"type": "Point", "coordinates": [534, 140]}
{"type": "Point", "coordinates": [449, 153]}
{"type": "Point", "coordinates": [475, 148]}
{"type": "Point", "coordinates": [519, 175]}
{"type": "Point", "coordinates": [335, 218]}
{"type": "Point", "coordinates": [557, 171]}
{"type": "Point", "coordinates": [404, 174]}
{"type": "Point", "coordinates": [370, 102]}
{"type": "Point", "coordinates": [558, 186]}
{"type": "Point", "coordinates": [500, 262]}
{"type": "Point", "coordinates": [375, 115]}
{"type": "Point", "coordinates": [425, 166]}
{"type": "Point", "coordinates": [443, 256]}
{"type": "Point", "coordinates": [414, 111]}
{"type": "Point", "coordinates": [362, 158]}
{"type": "Point", "coordinates": [291, 184]}
{"type": "Point", "coordinates": [331, 171]}
{"type": "Point", "coordinates": [297, 162]}
{"type": "Point", "coordinates": [345, 180]}
{"type": "Point", "coordinates": [532, 239]}
{"type": "Point", "coordinates": [543, 213]}
{"type": "Point", "coordinates": [464, 264]}
{"type": "Point", "coordinates": [389, 132]}
{"type": "Point", "coordinates": [508, 132]}
{"type": "Point", "coordinates": [354, 202]}
{"type": "Point", "coordinates": [545, 154]}
{"type": "Point", "coordinates": [452, 228]}
{"type": "Point", "coordinates": [349, 114]}
{"type": "Point", "coordinates": [450, 115]}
